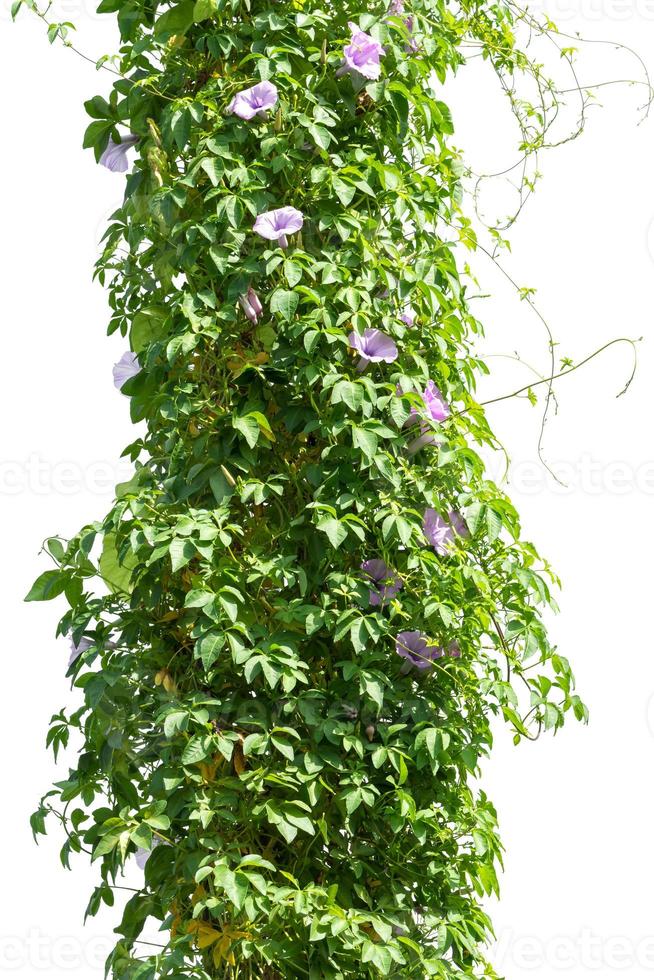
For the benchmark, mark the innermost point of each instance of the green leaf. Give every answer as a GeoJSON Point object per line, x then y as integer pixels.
{"type": "Point", "coordinates": [181, 552]}
{"type": "Point", "coordinates": [348, 392]}
{"type": "Point", "coordinates": [293, 272]}
{"type": "Point", "coordinates": [214, 170]}
{"type": "Point", "coordinates": [335, 531]}
{"type": "Point", "coordinates": [47, 586]}
{"type": "Point", "coordinates": [209, 648]}
{"type": "Point", "coordinates": [344, 192]}
{"type": "Point", "coordinates": [197, 749]}
{"type": "Point", "coordinates": [365, 440]}
{"type": "Point", "coordinates": [116, 574]}
{"type": "Point", "coordinates": [174, 721]}
{"type": "Point", "coordinates": [146, 327]}
{"type": "Point", "coordinates": [249, 429]}
{"type": "Point", "coordinates": [204, 9]}
{"type": "Point", "coordinates": [285, 302]}
{"type": "Point", "coordinates": [175, 21]}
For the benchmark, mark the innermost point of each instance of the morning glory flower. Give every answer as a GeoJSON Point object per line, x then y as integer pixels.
{"type": "Point", "coordinates": [385, 583]}
{"type": "Point", "coordinates": [277, 225]}
{"type": "Point", "coordinates": [436, 408]}
{"type": "Point", "coordinates": [417, 650]}
{"type": "Point", "coordinates": [441, 533]}
{"type": "Point", "coordinates": [126, 369]}
{"type": "Point", "coordinates": [408, 316]}
{"type": "Point", "coordinates": [454, 650]}
{"type": "Point", "coordinates": [114, 157]}
{"type": "Point", "coordinates": [254, 102]}
{"type": "Point", "coordinates": [362, 55]}
{"type": "Point", "coordinates": [396, 9]}
{"type": "Point", "coordinates": [373, 346]}
{"type": "Point", "coordinates": [251, 305]}
{"type": "Point", "coordinates": [77, 649]}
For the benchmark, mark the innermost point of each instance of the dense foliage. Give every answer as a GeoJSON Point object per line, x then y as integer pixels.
{"type": "Point", "coordinates": [315, 602]}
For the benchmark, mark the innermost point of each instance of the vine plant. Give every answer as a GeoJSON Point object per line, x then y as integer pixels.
{"type": "Point", "coordinates": [293, 630]}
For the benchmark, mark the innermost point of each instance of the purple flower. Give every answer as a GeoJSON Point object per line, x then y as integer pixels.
{"type": "Point", "coordinates": [276, 225]}
{"type": "Point", "coordinates": [77, 649]}
{"type": "Point", "coordinates": [126, 369]}
{"type": "Point", "coordinates": [417, 650]}
{"type": "Point", "coordinates": [396, 9]}
{"type": "Point", "coordinates": [408, 316]}
{"type": "Point", "coordinates": [373, 345]}
{"type": "Point", "coordinates": [254, 102]}
{"type": "Point", "coordinates": [362, 55]}
{"type": "Point", "coordinates": [442, 533]}
{"type": "Point", "coordinates": [142, 856]}
{"type": "Point", "coordinates": [436, 408]}
{"type": "Point", "coordinates": [251, 305]}
{"type": "Point", "coordinates": [454, 650]}
{"type": "Point", "coordinates": [114, 157]}
{"type": "Point", "coordinates": [385, 582]}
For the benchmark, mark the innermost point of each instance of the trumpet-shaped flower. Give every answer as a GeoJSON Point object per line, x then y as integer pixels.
{"type": "Point", "coordinates": [362, 55]}
{"type": "Point", "coordinates": [436, 408]}
{"type": "Point", "coordinates": [396, 9]}
{"type": "Point", "coordinates": [441, 533]}
{"type": "Point", "coordinates": [77, 649]}
{"type": "Point", "coordinates": [416, 649]}
{"type": "Point", "coordinates": [384, 582]}
{"type": "Point", "coordinates": [251, 305]}
{"type": "Point", "coordinates": [126, 369]}
{"type": "Point", "coordinates": [277, 225]}
{"type": "Point", "coordinates": [114, 157]}
{"type": "Point", "coordinates": [254, 102]}
{"type": "Point", "coordinates": [373, 346]}
{"type": "Point", "coordinates": [408, 316]}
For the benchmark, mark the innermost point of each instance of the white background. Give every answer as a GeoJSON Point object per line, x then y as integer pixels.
{"type": "Point", "coordinates": [576, 809]}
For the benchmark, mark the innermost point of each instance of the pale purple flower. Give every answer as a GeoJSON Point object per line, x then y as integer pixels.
{"type": "Point", "coordinates": [396, 9]}
{"type": "Point", "coordinates": [408, 316]}
{"type": "Point", "coordinates": [436, 408]}
{"type": "Point", "coordinates": [454, 650]}
{"type": "Point", "coordinates": [77, 649]}
{"type": "Point", "coordinates": [254, 102]}
{"type": "Point", "coordinates": [114, 157]}
{"type": "Point", "coordinates": [362, 55]}
{"type": "Point", "coordinates": [417, 650]}
{"type": "Point", "coordinates": [251, 305]}
{"type": "Point", "coordinates": [277, 225]}
{"type": "Point", "coordinates": [126, 369]}
{"type": "Point", "coordinates": [385, 583]}
{"type": "Point", "coordinates": [441, 533]}
{"type": "Point", "coordinates": [142, 856]}
{"type": "Point", "coordinates": [143, 853]}
{"type": "Point", "coordinates": [373, 346]}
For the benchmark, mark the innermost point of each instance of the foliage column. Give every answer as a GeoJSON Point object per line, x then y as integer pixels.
{"type": "Point", "coordinates": [314, 600]}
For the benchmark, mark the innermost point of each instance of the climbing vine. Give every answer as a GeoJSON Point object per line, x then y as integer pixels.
{"type": "Point", "coordinates": [293, 630]}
